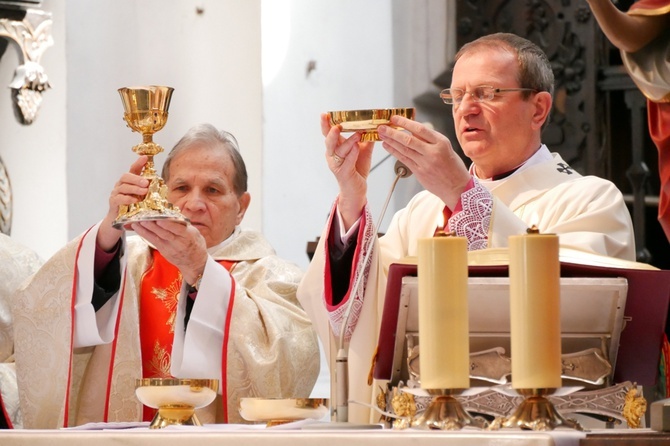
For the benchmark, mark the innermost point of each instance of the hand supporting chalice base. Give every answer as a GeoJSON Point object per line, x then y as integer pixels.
{"type": "Point", "coordinates": [146, 112]}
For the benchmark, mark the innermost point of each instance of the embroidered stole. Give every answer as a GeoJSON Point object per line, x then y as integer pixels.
{"type": "Point", "coordinates": [159, 296]}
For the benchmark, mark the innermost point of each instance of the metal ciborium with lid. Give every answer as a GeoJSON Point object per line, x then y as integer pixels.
{"type": "Point", "coordinates": [146, 112]}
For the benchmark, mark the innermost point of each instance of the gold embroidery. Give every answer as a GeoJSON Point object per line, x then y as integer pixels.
{"type": "Point", "coordinates": [170, 298]}
{"type": "Point", "coordinates": [160, 363]}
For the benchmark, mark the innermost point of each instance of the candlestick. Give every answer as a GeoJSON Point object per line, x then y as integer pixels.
{"type": "Point", "coordinates": [444, 340]}
{"type": "Point", "coordinates": [534, 286]}
{"type": "Point", "coordinates": [443, 313]}
{"type": "Point", "coordinates": [534, 272]}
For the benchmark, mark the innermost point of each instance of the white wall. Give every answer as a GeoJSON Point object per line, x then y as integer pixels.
{"type": "Point", "coordinates": [65, 164]}
{"type": "Point", "coordinates": [35, 155]}
{"type": "Point", "coordinates": [379, 53]}
{"type": "Point", "coordinates": [212, 59]}
{"type": "Point", "coordinates": [372, 54]}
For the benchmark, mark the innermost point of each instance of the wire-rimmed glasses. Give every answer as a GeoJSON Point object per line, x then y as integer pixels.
{"type": "Point", "coordinates": [483, 93]}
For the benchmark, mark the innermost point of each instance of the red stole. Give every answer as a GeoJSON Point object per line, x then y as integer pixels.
{"type": "Point", "coordinates": [159, 296]}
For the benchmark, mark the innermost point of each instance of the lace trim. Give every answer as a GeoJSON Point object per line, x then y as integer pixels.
{"type": "Point", "coordinates": [474, 220]}
{"type": "Point", "coordinates": [365, 244]}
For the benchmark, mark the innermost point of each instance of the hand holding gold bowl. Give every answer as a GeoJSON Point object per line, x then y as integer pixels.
{"type": "Point", "coordinates": [175, 398]}
{"type": "Point", "coordinates": [275, 411]}
{"type": "Point", "coordinates": [367, 121]}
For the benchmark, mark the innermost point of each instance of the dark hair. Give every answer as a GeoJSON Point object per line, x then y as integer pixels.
{"type": "Point", "coordinates": [210, 135]}
{"type": "Point", "coordinates": [534, 67]}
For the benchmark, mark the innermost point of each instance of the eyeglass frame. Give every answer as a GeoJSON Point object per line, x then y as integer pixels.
{"type": "Point", "coordinates": [494, 91]}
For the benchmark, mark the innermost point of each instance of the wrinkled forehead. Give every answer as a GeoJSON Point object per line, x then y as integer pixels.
{"type": "Point", "coordinates": [202, 163]}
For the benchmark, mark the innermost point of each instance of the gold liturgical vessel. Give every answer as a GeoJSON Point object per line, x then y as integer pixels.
{"type": "Point", "coordinates": [175, 399]}
{"type": "Point", "coordinates": [146, 112]}
{"type": "Point", "coordinates": [367, 121]}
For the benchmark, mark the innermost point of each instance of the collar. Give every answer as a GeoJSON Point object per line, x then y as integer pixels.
{"type": "Point", "coordinates": [541, 155]}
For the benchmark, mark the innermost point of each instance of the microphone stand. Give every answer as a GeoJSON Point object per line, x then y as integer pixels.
{"type": "Point", "coordinates": [342, 358]}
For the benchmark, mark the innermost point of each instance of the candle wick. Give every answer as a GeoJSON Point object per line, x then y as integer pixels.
{"type": "Point", "coordinates": [440, 232]}
{"type": "Point", "coordinates": [533, 230]}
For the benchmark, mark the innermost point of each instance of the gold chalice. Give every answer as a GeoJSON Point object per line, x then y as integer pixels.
{"type": "Point", "coordinates": [367, 121]}
{"type": "Point", "coordinates": [175, 398]}
{"type": "Point", "coordinates": [146, 112]}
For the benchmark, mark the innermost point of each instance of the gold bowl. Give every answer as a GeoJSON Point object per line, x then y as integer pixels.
{"type": "Point", "coordinates": [175, 398]}
{"type": "Point", "coordinates": [274, 411]}
{"type": "Point", "coordinates": [367, 121]}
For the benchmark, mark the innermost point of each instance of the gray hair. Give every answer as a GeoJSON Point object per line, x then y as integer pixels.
{"type": "Point", "coordinates": [534, 67]}
{"type": "Point", "coordinates": [211, 136]}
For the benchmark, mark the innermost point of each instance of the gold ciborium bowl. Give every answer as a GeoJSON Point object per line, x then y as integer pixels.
{"type": "Point", "coordinates": [367, 121]}
{"type": "Point", "coordinates": [175, 398]}
{"type": "Point", "coordinates": [274, 411]}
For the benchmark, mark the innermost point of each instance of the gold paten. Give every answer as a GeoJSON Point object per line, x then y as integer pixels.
{"type": "Point", "coordinates": [275, 411]}
{"type": "Point", "coordinates": [367, 121]}
{"type": "Point", "coordinates": [536, 413]}
{"type": "Point", "coordinates": [175, 399]}
{"type": "Point", "coordinates": [146, 112]}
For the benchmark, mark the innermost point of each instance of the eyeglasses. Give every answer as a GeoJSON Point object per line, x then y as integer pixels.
{"type": "Point", "coordinates": [483, 93]}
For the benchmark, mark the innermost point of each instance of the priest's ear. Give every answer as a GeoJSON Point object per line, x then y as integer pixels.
{"type": "Point", "coordinates": [243, 204]}
{"type": "Point", "coordinates": [543, 102]}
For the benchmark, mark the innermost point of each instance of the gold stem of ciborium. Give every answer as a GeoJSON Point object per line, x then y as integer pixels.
{"type": "Point", "coordinates": [174, 414]}
{"type": "Point", "coordinates": [536, 413]}
{"type": "Point", "coordinates": [445, 412]}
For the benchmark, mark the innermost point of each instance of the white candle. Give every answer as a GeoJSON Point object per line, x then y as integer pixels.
{"type": "Point", "coordinates": [443, 313]}
{"type": "Point", "coordinates": [534, 273]}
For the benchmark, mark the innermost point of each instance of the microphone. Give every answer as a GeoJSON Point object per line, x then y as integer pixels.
{"type": "Point", "coordinates": [342, 358]}
{"type": "Point", "coordinates": [401, 170]}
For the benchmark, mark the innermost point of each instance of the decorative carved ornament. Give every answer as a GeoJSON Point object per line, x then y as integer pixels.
{"type": "Point", "coordinates": [33, 37]}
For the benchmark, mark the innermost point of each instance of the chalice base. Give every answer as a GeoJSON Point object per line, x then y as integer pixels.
{"type": "Point", "coordinates": [154, 206]}
{"type": "Point", "coordinates": [536, 413]}
{"type": "Point", "coordinates": [174, 415]}
{"type": "Point", "coordinates": [446, 413]}
{"type": "Point", "coordinates": [140, 213]}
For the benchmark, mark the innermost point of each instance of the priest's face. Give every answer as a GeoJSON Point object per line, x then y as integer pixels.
{"type": "Point", "coordinates": [201, 185]}
{"type": "Point", "coordinates": [502, 132]}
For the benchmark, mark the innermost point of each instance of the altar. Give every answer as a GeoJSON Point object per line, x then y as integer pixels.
{"type": "Point", "coordinates": [310, 435]}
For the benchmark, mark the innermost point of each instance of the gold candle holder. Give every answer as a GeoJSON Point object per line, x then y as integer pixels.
{"type": "Point", "coordinates": [534, 273]}
{"type": "Point", "coordinates": [445, 412]}
{"type": "Point", "coordinates": [536, 413]}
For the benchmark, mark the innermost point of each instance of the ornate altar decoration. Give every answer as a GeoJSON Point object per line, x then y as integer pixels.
{"type": "Point", "coordinates": [30, 30]}
{"type": "Point", "coordinates": [605, 311]}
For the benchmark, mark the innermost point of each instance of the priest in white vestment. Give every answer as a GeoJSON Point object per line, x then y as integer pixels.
{"type": "Point", "coordinates": [501, 97]}
{"type": "Point", "coordinates": [17, 263]}
{"type": "Point", "coordinates": [206, 299]}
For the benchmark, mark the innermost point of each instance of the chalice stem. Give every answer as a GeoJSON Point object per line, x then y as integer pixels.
{"type": "Point", "coordinates": [148, 170]}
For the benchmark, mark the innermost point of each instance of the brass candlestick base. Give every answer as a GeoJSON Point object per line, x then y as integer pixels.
{"type": "Point", "coordinates": [536, 413]}
{"type": "Point", "coordinates": [146, 112]}
{"type": "Point", "coordinates": [446, 413]}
